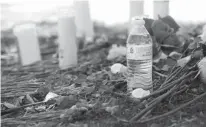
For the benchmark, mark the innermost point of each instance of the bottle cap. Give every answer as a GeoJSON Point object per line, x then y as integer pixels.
{"type": "Point", "coordinates": [139, 20]}
{"type": "Point", "coordinates": [140, 17]}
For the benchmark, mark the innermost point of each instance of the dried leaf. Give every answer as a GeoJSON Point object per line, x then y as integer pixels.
{"type": "Point", "coordinates": [104, 88]}
{"type": "Point", "coordinates": [156, 68]}
{"type": "Point", "coordinates": [41, 108]}
{"type": "Point", "coordinates": [165, 68]}
{"type": "Point", "coordinates": [171, 22]}
{"type": "Point", "coordinates": [121, 85]}
{"type": "Point", "coordinates": [9, 105]}
{"type": "Point", "coordinates": [182, 62]}
{"type": "Point", "coordinates": [30, 109]}
{"type": "Point", "coordinates": [19, 101]}
{"type": "Point", "coordinates": [170, 62]}
{"type": "Point", "coordinates": [111, 102]}
{"type": "Point", "coordinates": [175, 55]}
{"type": "Point", "coordinates": [156, 47]}
{"type": "Point", "coordinates": [203, 35]}
{"type": "Point", "coordinates": [197, 54]}
{"type": "Point", "coordinates": [192, 45]}
{"type": "Point", "coordinates": [112, 109]}
{"type": "Point", "coordinates": [67, 113]}
{"type": "Point", "coordinates": [49, 96]}
{"type": "Point", "coordinates": [79, 108]}
{"type": "Point", "coordinates": [29, 98]}
{"type": "Point", "coordinates": [202, 69]}
{"type": "Point", "coordinates": [88, 90]}
{"type": "Point", "coordinates": [81, 78]}
{"type": "Point", "coordinates": [41, 93]}
{"type": "Point", "coordinates": [172, 42]}
{"type": "Point", "coordinates": [168, 46]}
{"type": "Point", "coordinates": [204, 49]}
{"type": "Point", "coordinates": [65, 101]}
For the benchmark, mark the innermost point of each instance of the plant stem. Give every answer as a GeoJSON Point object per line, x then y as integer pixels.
{"type": "Point", "coordinates": [157, 101]}
{"type": "Point", "coordinates": [168, 86]}
{"type": "Point", "coordinates": [174, 110]}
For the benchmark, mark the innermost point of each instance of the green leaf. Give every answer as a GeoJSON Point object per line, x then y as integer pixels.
{"type": "Point", "coordinates": [160, 30]}
{"type": "Point", "coordinates": [171, 22]}
{"type": "Point", "coordinates": [173, 41]}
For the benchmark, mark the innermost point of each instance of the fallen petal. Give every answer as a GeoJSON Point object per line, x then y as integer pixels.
{"type": "Point", "coordinates": [118, 68]}
{"type": "Point", "coordinates": [140, 93]}
{"type": "Point", "coordinates": [49, 96]}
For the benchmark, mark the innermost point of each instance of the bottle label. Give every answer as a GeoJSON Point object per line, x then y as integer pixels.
{"type": "Point", "coordinates": [139, 52]}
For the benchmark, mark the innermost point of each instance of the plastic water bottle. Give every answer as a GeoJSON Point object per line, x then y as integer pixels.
{"type": "Point", "coordinates": [139, 56]}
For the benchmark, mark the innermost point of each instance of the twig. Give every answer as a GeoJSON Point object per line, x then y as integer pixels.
{"type": "Point", "coordinates": [95, 47]}
{"type": "Point", "coordinates": [171, 76]}
{"type": "Point", "coordinates": [197, 74]}
{"type": "Point", "coordinates": [172, 70]}
{"type": "Point", "coordinates": [129, 99]}
{"type": "Point", "coordinates": [174, 110]}
{"type": "Point", "coordinates": [181, 90]}
{"type": "Point", "coordinates": [162, 75]}
{"type": "Point", "coordinates": [168, 86]}
{"type": "Point", "coordinates": [21, 107]}
{"type": "Point", "coordinates": [157, 100]}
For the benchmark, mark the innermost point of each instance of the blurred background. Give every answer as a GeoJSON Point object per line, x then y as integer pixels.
{"type": "Point", "coordinates": [109, 17]}
{"type": "Point", "coordinates": [107, 11]}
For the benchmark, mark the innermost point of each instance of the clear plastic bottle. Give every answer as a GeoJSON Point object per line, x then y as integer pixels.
{"type": "Point", "coordinates": [139, 56]}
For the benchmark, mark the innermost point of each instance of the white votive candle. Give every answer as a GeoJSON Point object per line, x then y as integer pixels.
{"type": "Point", "coordinates": [160, 7]}
{"type": "Point", "coordinates": [28, 43]}
{"type": "Point", "coordinates": [67, 40]}
{"type": "Point", "coordinates": [136, 8]}
{"type": "Point", "coordinates": [83, 20]}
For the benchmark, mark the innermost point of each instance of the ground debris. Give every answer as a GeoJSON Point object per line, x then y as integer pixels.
{"type": "Point", "coordinates": [91, 95]}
